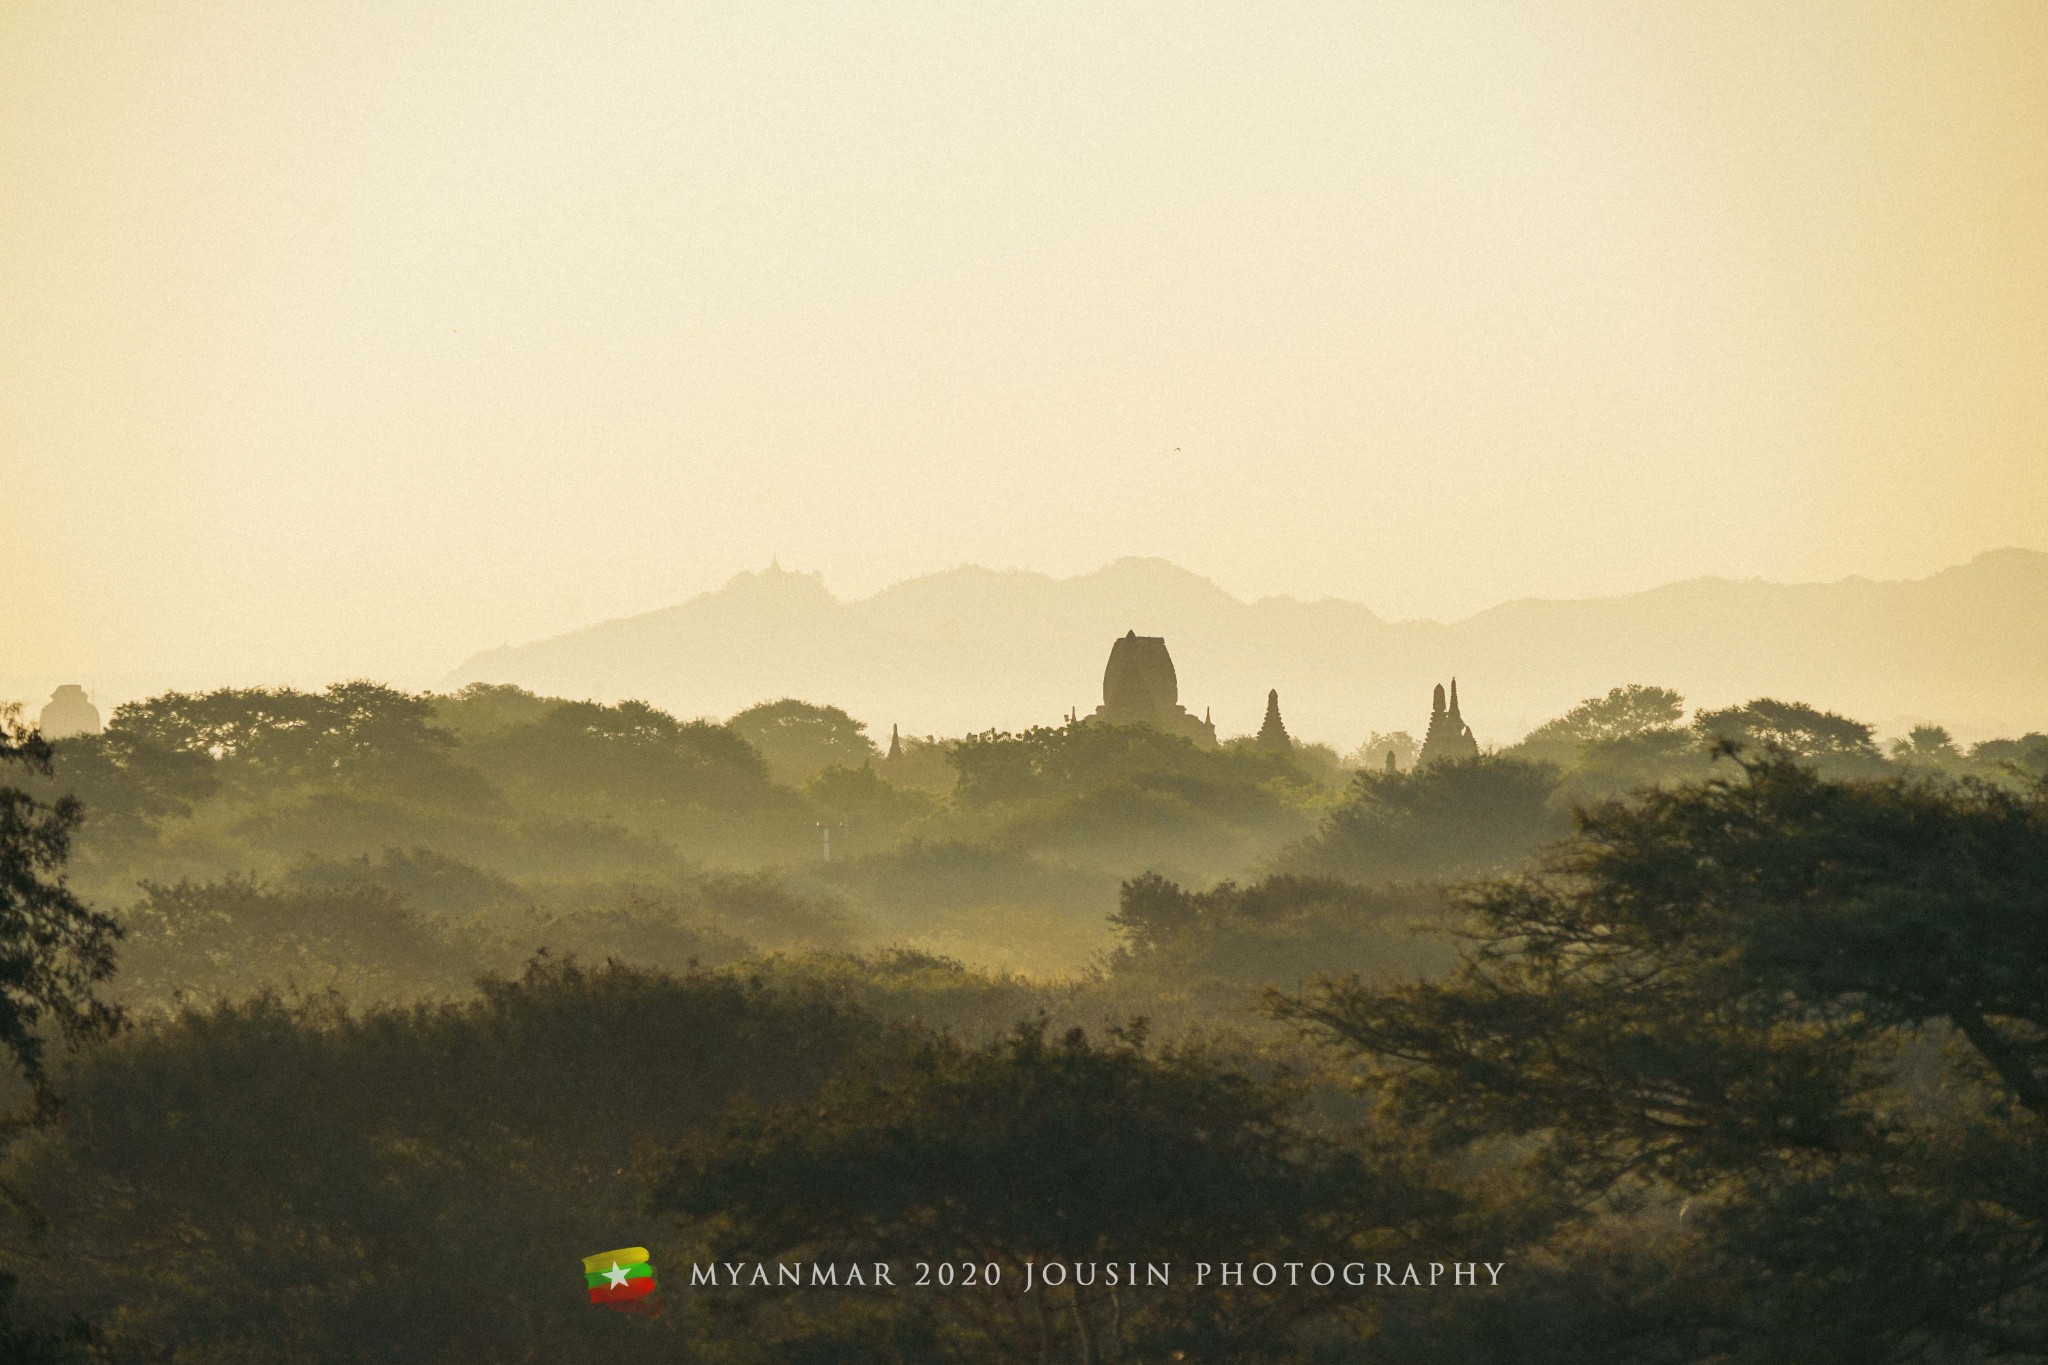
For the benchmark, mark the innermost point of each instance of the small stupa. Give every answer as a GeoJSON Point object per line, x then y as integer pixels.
{"type": "Point", "coordinates": [1449, 738]}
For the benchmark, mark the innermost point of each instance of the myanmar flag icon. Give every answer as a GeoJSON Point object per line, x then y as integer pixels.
{"type": "Point", "coordinates": [619, 1277]}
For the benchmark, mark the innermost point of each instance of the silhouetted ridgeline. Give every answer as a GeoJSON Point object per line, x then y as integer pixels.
{"type": "Point", "coordinates": [969, 648]}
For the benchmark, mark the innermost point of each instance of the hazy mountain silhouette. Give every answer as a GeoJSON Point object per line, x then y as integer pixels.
{"type": "Point", "coordinates": [972, 648]}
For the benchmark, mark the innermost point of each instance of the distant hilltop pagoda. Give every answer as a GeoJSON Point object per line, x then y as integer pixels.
{"type": "Point", "coordinates": [69, 713]}
{"type": "Point", "coordinates": [1449, 737]}
{"type": "Point", "coordinates": [1139, 687]}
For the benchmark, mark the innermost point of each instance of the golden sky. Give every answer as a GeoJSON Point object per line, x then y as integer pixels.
{"type": "Point", "coordinates": [352, 337]}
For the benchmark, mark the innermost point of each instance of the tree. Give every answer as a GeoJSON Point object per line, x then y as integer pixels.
{"type": "Point", "coordinates": [1060, 762]}
{"type": "Point", "coordinates": [1804, 732]}
{"type": "Point", "coordinates": [203, 941]}
{"type": "Point", "coordinates": [1929, 745]}
{"type": "Point", "coordinates": [260, 1180]}
{"type": "Point", "coordinates": [357, 735]}
{"type": "Point", "coordinates": [53, 950]}
{"type": "Point", "coordinates": [921, 764]}
{"type": "Point", "coordinates": [868, 809]}
{"type": "Point", "coordinates": [1817, 1010]}
{"type": "Point", "coordinates": [2025, 758]}
{"type": "Point", "coordinates": [1054, 1151]}
{"type": "Point", "coordinates": [130, 783]}
{"type": "Point", "coordinates": [1662, 756]}
{"type": "Point", "coordinates": [800, 740]}
{"type": "Point", "coordinates": [1442, 820]}
{"type": "Point", "coordinates": [1372, 754]}
{"type": "Point", "coordinates": [1279, 929]}
{"type": "Point", "coordinates": [1624, 712]}
{"type": "Point", "coordinates": [628, 760]}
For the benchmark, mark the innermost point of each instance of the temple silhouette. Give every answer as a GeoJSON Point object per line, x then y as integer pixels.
{"type": "Point", "coordinates": [1449, 736]}
{"type": "Point", "coordinates": [69, 713]}
{"type": "Point", "coordinates": [1273, 734]}
{"type": "Point", "coordinates": [1139, 687]}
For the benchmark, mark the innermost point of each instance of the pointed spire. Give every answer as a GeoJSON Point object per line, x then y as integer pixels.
{"type": "Point", "coordinates": [895, 744]}
{"type": "Point", "coordinates": [1448, 738]}
{"type": "Point", "coordinates": [1393, 766]}
{"type": "Point", "coordinates": [1273, 734]}
{"type": "Point", "coordinates": [1436, 706]}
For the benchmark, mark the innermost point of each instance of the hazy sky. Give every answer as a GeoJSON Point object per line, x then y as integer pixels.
{"type": "Point", "coordinates": [352, 337]}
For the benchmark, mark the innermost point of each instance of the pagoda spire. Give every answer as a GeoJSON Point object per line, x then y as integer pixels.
{"type": "Point", "coordinates": [1273, 734]}
{"type": "Point", "coordinates": [1449, 738]}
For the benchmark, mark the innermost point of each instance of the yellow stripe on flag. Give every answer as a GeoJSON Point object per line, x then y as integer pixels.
{"type": "Point", "coordinates": [625, 1256]}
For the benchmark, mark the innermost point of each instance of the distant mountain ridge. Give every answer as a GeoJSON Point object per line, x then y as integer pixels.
{"type": "Point", "coordinates": [972, 648]}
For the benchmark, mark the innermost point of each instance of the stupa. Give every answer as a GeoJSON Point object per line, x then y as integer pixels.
{"type": "Point", "coordinates": [1273, 734]}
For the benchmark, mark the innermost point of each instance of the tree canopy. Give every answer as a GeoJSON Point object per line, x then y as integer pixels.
{"type": "Point", "coordinates": [1624, 712]}
{"type": "Point", "coordinates": [1442, 820]}
{"type": "Point", "coordinates": [1816, 1009]}
{"type": "Point", "coordinates": [1055, 1150]}
{"type": "Point", "coordinates": [1794, 728]}
{"type": "Point", "coordinates": [799, 740]}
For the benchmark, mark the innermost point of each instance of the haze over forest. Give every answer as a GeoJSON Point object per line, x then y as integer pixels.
{"type": "Point", "coordinates": [970, 648]}
{"type": "Point", "coordinates": [1585, 458]}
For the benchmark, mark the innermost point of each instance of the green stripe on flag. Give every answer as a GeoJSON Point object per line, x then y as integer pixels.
{"type": "Point", "coordinates": [602, 1279]}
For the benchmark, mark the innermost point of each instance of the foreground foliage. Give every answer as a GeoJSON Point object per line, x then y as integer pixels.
{"type": "Point", "coordinates": [1811, 1015]}
{"type": "Point", "coordinates": [280, 1182]}
{"type": "Point", "coordinates": [1054, 1154]}
{"type": "Point", "coordinates": [1749, 1069]}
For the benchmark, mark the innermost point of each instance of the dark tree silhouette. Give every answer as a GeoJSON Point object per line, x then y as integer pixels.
{"type": "Point", "coordinates": [1817, 1010]}
{"type": "Point", "coordinates": [1837, 743]}
{"type": "Point", "coordinates": [1447, 819]}
{"type": "Point", "coordinates": [53, 949]}
{"type": "Point", "coordinates": [1065, 1151]}
{"type": "Point", "coordinates": [1623, 714]}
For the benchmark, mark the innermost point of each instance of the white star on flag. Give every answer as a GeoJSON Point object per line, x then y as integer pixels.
{"type": "Point", "coordinates": [615, 1275]}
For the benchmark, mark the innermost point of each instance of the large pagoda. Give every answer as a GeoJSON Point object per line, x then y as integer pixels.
{"type": "Point", "coordinates": [1449, 738]}
{"type": "Point", "coordinates": [1139, 688]}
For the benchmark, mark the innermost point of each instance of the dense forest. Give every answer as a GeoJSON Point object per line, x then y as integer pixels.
{"type": "Point", "coordinates": [342, 1025]}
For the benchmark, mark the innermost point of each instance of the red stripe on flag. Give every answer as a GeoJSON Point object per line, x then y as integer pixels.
{"type": "Point", "coordinates": [631, 1289]}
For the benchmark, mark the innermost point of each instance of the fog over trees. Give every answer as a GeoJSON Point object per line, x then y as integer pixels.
{"type": "Point", "coordinates": [1024, 684]}
{"type": "Point", "coordinates": [342, 1023]}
